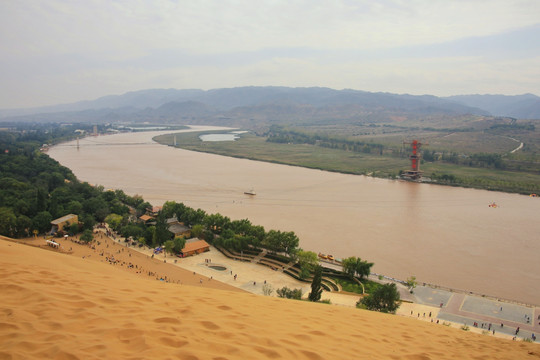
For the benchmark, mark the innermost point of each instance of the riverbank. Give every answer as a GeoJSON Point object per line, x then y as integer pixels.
{"type": "Point", "coordinates": [252, 147]}
{"type": "Point", "coordinates": [460, 240]}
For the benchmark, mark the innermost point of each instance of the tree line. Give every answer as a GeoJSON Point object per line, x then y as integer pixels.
{"type": "Point", "coordinates": [280, 134]}
{"type": "Point", "coordinates": [35, 189]}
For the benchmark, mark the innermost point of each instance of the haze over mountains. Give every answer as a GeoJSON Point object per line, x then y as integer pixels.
{"type": "Point", "coordinates": [279, 104]}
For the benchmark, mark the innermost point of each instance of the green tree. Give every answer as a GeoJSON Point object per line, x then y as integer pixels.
{"type": "Point", "coordinates": [197, 231]}
{"type": "Point", "coordinates": [217, 223]}
{"type": "Point", "coordinates": [169, 208]}
{"type": "Point", "coordinates": [411, 283]}
{"type": "Point", "coordinates": [87, 236]}
{"type": "Point", "coordinates": [42, 222]}
{"type": "Point", "coordinates": [178, 244]}
{"type": "Point", "coordinates": [272, 240]}
{"type": "Point", "coordinates": [98, 207]}
{"type": "Point", "coordinates": [349, 266]}
{"type": "Point", "coordinates": [149, 235]}
{"type": "Point", "coordinates": [290, 242]}
{"type": "Point", "coordinates": [88, 221]}
{"type": "Point", "coordinates": [141, 207]}
{"type": "Point", "coordinates": [316, 289]}
{"type": "Point", "coordinates": [278, 241]}
{"type": "Point", "coordinates": [308, 261]}
{"type": "Point", "coordinates": [195, 217]}
{"type": "Point", "coordinates": [353, 266]}
{"type": "Point", "coordinates": [141, 240]}
{"type": "Point", "coordinates": [162, 233]}
{"type": "Point", "coordinates": [257, 233]}
{"type": "Point", "coordinates": [132, 230]}
{"type": "Point", "coordinates": [384, 299]}
{"type": "Point", "coordinates": [24, 225]}
{"type": "Point", "coordinates": [363, 269]}
{"type": "Point", "coordinates": [74, 228]}
{"type": "Point", "coordinates": [41, 199]}
{"type": "Point", "coordinates": [285, 292]}
{"type": "Point", "coordinates": [114, 221]}
{"type": "Point", "coordinates": [74, 207]}
{"type": "Point", "coordinates": [241, 227]}
{"type": "Point", "coordinates": [169, 246]}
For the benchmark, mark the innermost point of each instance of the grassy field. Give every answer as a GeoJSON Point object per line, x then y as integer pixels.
{"type": "Point", "coordinates": [257, 148]}
{"type": "Point", "coordinates": [254, 147]}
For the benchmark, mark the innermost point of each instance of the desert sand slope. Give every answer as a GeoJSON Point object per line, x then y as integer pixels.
{"type": "Point", "coordinates": [56, 306]}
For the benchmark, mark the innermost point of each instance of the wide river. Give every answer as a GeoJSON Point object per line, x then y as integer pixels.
{"type": "Point", "coordinates": [443, 235]}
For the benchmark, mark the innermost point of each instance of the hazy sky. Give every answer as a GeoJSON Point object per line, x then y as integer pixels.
{"type": "Point", "coordinates": [55, 52]}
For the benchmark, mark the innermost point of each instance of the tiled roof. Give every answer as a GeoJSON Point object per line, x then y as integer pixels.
{"type": "Point", "coordinates": [194, 246]}
{"type": "Point", "coordinates": [63, 219]}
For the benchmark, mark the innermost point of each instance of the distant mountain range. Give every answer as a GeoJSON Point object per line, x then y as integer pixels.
{"type": "Point", "coordinates": [525, 106]}
{"type": "Point", "coordinates": [242, 105]}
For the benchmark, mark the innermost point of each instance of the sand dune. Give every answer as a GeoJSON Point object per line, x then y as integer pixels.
{"type": "Point", "coordinates": [56, 306]}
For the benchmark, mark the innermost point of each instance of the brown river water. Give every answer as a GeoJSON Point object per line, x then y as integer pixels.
{"type": "Point", "coordinates": [443, 235]}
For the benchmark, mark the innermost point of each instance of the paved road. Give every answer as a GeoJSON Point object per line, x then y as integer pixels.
{"type": "Point", "coordinates": [503, 317]}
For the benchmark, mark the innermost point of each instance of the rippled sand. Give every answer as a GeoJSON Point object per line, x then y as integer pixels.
{"type": "Point", "coordinates": [57, 306]}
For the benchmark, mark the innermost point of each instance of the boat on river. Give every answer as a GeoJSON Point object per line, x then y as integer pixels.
{"type": "Point", "coordinates": [250, 192]}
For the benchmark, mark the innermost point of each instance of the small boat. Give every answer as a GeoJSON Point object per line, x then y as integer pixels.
{"type": "Point", "coordinates": [250, 192]}
{"type": "Point", "coordinates": [533, 195]}
{"type": "Point", "coordinates": [323, 256]}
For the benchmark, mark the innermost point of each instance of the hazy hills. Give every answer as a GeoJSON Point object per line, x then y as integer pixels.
{"type": "Point", "coordinates": [525, 106]}
{"type": "Point", "coordinates": [244, 105]}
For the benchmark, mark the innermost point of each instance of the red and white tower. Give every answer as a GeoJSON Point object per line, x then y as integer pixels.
{"type": "Point", "coordinates": [414, 173]}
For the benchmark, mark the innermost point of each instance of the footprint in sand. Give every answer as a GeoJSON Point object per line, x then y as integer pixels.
{"type": "Point", "coordinates": [167, 341]}
{"type": "Point", "coordinates": [167, 320]}
{"type": "Point", "coordinates": [210, 325]}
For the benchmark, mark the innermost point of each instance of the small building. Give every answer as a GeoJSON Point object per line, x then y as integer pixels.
{"type": "Point", "coordinates": [195, 246]}
{"type": "Point", "coordinates": [63, 222]}
{"type": "Point", "coordinates": [154, 210]}
{"type": "Point", "coordinates": [178, 228]}
{"type": "Point", "coordinates": [146, 218]}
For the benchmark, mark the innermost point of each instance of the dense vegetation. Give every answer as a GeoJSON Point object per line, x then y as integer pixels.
{"type": "Point", "coordinates": [35, 189]}
{"type": "Point", "coordinates": [384, 299]}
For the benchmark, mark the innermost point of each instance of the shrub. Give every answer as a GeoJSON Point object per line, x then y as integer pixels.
{"type": "Point", "coordinates": [267, 289]}
{"type": "Point", "coordinates": [287, 293]}
{"type": "Point", "coordinates": [384, 299]}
